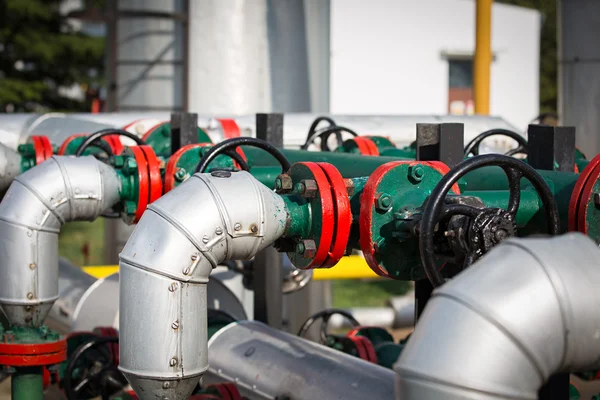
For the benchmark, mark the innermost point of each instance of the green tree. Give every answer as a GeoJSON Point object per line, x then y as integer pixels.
{"type": "Point", "coordinates": [548, 49]}
{"type": "Point", "coordinates": [40, 53]}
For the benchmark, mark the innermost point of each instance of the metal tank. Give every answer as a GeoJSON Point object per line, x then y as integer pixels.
{"type": "Point", "coordinates": [266, 363]}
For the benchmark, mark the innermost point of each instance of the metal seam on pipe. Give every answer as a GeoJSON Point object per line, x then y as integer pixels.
{"type": "Point", "coordinates": [32, 212]}
{"type": "Point", "coordinates": [530, 307]}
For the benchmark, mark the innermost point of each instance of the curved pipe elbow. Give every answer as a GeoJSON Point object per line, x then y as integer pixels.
{"type": "Point", "coordinates": [501, 328]}
{"type": "Point", "coordinates": [36, 205]}
{"type": "Point", "coordinates": [10, 167]}
{"type": "Point", "coordinates": [165, 267]}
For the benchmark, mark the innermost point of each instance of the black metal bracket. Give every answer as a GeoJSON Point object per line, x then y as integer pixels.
{"type": "Point", "coordinates": [184, 130]}
{"type": "Point", "coordinates": [548, 145]}
{"type": "Point", "coordinates": [268, 263]}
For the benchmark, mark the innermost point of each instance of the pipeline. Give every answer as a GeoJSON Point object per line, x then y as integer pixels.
{"type": "Point", "coordinates": [10, 167]}
{"type": "Point", "coordinates": [32, 212]}
{"type": "Point", "coordinates": [270, 364]}
{"type": "Point", "coordinates": [165, 267]}
{"type": "Point", "coordinates": [527, 310]}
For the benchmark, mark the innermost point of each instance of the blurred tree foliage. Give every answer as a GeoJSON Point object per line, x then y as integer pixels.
{"type": "Point", "coordinates": [548, 48]}
{"type": "Point", "coordinates": [40, 52]}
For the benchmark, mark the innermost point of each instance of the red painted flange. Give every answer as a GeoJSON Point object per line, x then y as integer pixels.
{"type": "Point", "coordinates": [362, 145]}
{"type": "Point", "coordinates": [152, 129]}
{"type": "Point", "coordinates": [343, 214]}
{"type": "Point", "coordinates": [42, 148]}
{"type": "Point", "coordinates": [373, 150]}
{"type": "Point", "coordinates": [365, 348]}
{"type": "Point", "coordinates": [589, 173]}
{"type": "Point", "coordinates": [65, 144]}
{"type": "Point", "coordinates": [327, 211]}
{"type": "Point", "coordinates": [227, 391]}
{"type": "Point", "coordinates": [156, 186]}
{"type": "Point", "coordinates": [143, 181]}
{"type": "Point", "coordinates": [366, 207]}
{"type": "Point", "coordinates": [114, 141]}
{"type": "Point", "coordinates": [29, 355]}
{"type": "Point", "coordinates": [171, 168]}
{"type": "Point", "coordinates": [230, 128]}
{"type": "Point", "coordinates": [585, 199]}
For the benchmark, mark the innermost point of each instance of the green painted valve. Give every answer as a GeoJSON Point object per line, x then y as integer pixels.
{"type": "Point", "coordinates": [159, 138]}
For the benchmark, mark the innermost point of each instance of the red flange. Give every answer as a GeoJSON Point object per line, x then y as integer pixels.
{"type": "Point", "coordinates": [362, 145]}
{"type": "Point", "coordinates": [579, 200]}
{"type": "Point", "coordinates": [227, 391]}
{"type": "Point", "coordinates": [42, 148]}
{"type": "Point", "coordinates": [152, 129]}
{"type": "Point", "coordinates": [143, 181]}
{"type": "Point", "coordinates": [230, 128]}
{"type": "Point", "coordinates": [310, 170]}
{"type": "Point", "coordinates": [114, 141]}
{"type": "Point", "coordinates": [28, 355]}
{"type": "Point", "coordinates": [156, 186]}
{"type": "Point", "coordinates": [373, 149]}
{"type": "Point", "coordinates": [343, 214]}
{"type": "Point", "coordinates": [65, 144]}
{"type": "Point", "coordinates": [171, 168]}
{"type": "Point", "coordinates": [365, 348]}
{"type": "Point", "coordinates": [370, 193]}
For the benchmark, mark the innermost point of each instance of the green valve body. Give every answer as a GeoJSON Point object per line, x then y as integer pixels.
{"type": "Point", "coordinates": [160, 139]}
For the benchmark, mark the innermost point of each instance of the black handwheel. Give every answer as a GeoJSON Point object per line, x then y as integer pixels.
{"type": "Point", "coordinates": [325, 134]}
{"type": "Point", "coordinates": [473, 146]}
{"type": "Point", "coordinates": [325, 315]}
{"type": "Point", "coordinates": [228, 147]}
{"type": "Point", "coordinates": [92, 371]}
{"type": "Point", "coordinates": [96, 136]}
{"type": "Point", "coordinates": [436, 210]}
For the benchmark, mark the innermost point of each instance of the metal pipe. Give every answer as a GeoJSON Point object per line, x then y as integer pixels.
{"type": "Point", "coordinates": [501, 328]}
{"type": "Point", "coordinates": [164, 270]}
{"type": "Point", "coordinates": [483, 56]}
{"type": "Point", "coordinates": [398, 313]}
{"type": "Point", "coordinates": [10, 167]}
{"type": "Point", "coordinates": [35, 207]}
{"type": "Point", "coordinates": [266, 363]}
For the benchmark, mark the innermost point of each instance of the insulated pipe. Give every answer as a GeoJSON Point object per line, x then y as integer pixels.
{"type": "Point", "coordinates": [527, 310]}
{"type": "Point", "coordinates": [35, 207]}
{"type": "Point", "coordinates": [10, 167]}
{"type": "Point", "coordinates": [267, 364]}
{"type": "Point", "coordinates": [165, 265]}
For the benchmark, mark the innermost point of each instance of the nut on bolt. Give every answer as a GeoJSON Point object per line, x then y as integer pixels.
{"type": "Point", "coordinates": [383, 202]}
{"type": "Point", "coordinates": [416, 173]}
{"type": "Point", "coordinates": [349, 186]}
{"type": "Point", "coordinates": [283, 183]}
{"type": "Point", "coordinates": [307, 248]}
{"type": "Point", "coordinates": [307, 188]}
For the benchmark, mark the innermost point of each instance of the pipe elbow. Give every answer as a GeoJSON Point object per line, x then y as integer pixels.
{"type": "Point", "coordinates": [32, 212]}
{"type": "Point", "coordinates": [164, 269]}
{"type": "Point", "coordinates": [501, 328]}
{"type": "Point", "coordinates": [10, 167]}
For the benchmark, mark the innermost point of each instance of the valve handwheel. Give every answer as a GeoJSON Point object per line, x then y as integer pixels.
{"type": "Point", "coordinates": [325, 315]}
{"type": "Point", "coordinates": [92, 371]}
{"type": "Point", "coordinates": [483, 219]}
{"type": "Point", "coordinates": [473, 146]}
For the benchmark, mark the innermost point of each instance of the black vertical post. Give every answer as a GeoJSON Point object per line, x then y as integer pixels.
{"type": "Point", "coordinates": [548, 148]}
{"type": "Point", "coordinates": [184, 130]}
{"type": "Point", "coordinates": [436, 142]}
{"type": "Point", "coordinates": [548, 145]}
{"type": "Point", "coordinates": [268, 262]}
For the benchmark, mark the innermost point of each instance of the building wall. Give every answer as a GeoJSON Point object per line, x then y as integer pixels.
{"type": "Point", "coordinates": [390, 56]}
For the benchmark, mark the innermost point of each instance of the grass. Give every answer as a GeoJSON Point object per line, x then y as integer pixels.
{"type": "Point", "coordinates": [75, 236]}
{"type": "Point", "coordinates": [366, 293]}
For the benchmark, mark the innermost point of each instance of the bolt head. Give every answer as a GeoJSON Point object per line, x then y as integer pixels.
{"type": "Point", "coordinates": [416, 173]}
{"type": "Point", "coordinates": [349, 186]}
{"type": "Point", "coordinates": [310, 188]}
{"type": "Point", "coordinates": [173, 287]}
{"type": "Point", "coordinates": [237, 226]}
{"type": "Point", "coordinates": [205, 239]}
{"type": "Point", "coordinates": [118, 161]}
{"type": "Point", "coordinates": [219, 231]}
{"type": "Point", "coordinates": [175, 325]}
{"type": "Point", "coordinates": [32, 266]}
{"type": "Point", "coordinates": [284, 184]}
{"type": "Point", "coordinates": [173, 362]}
{"type": "Point", "coordinates": [180, 174]}
{"type": "Point", "coordinates": [309, 248]}
{"type": "Point", "coordinates": [253, 228]}
{"type": "Point", "coordinates": [383, 202]}
{"type": "Point", "coordinates": [30, 295]}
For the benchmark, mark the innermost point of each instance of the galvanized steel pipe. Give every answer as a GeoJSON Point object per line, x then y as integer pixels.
{"type": "Point", "coordinates": [35, 207]}
{"type": "Point", "coordinates": [10, 166]}
{"type": "Point", "coordinates": [164, 268]}
{"type": "Point", "coordinates": [267, 364]}
{"type": "Point", "coordinates": [500, 329]}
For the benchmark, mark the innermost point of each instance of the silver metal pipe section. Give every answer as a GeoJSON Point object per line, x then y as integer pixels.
{"type": "Point", "coordinates": [399, 313]}
{"type": "Point", "coordinates": [266, 363]}
{"type": "Point", "coordinates": [10, 166]}
{"type": "Point", "coordinates": [165, 265]}
{"type": "Point", "coordinates": [35, 207]}
{"type": "Point", "coordinates": [501, 328]}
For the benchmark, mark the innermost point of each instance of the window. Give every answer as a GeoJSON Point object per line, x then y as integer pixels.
{"type": "Point", "coordinates": [460, 86]}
